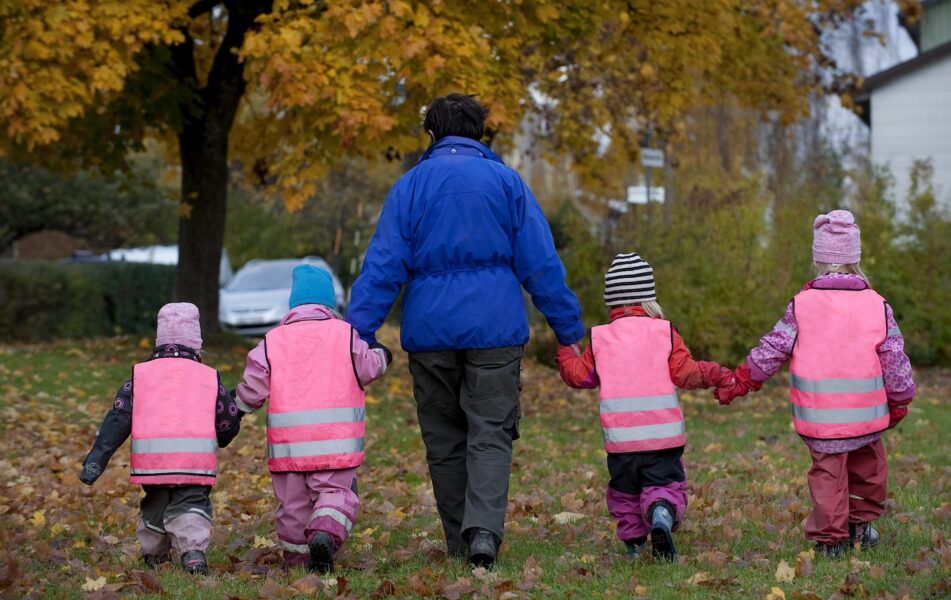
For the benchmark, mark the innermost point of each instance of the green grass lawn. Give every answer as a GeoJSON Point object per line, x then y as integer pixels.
{"type": "Point", "coordinates": [746, 467]}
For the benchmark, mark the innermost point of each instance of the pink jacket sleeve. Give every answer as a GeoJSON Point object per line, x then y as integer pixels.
{"type": "Point", "coordinates": [369, 363]}
{"type": "Point", "coordinates": [255, 386]}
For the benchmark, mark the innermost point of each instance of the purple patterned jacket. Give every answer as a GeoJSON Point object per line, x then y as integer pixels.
{"type": "Point", "coordinates": [776, 347]}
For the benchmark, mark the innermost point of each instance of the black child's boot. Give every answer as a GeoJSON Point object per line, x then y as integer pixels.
{"type": "Point", "coordinates": [635, 547]}
{"type": "Point", "coordinates": [662, 525]}
{"type": "Point", "coordinates": [194, 562]}
{"type": "Point", "coordinates": [321, 553]}
{"type": "Point", "coordinates": [863, 536]}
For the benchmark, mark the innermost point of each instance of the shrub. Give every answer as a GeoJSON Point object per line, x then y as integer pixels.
{"type": "Point", "coordinates": [43, 300]}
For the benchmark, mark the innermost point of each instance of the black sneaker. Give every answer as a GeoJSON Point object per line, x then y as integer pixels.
{"type": "Point", "coordinates": [635, 547]}
{"type": "Point", "coordinates": [830, 551]}
{"type": "Point", "coordinates": [483, 548]}
{"type": "Point", "coordinates": [153, 560]}
{"type": "Point", "coordinates": [321, 553]}
{"type": "Point", "coordinates": [863, 536]}
{"type": "Point", "coordinates": [662, 539]}
{"type": "Point", "coordinates": [194, 562]}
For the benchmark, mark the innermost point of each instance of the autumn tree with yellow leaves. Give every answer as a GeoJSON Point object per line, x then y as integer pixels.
{"type": "Point", "coordinates": [282, 89]}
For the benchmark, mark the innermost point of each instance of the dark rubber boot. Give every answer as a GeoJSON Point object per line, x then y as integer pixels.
{"type": "Point", "coordinates": [194, 562]}
{"type": "Point", "coordinates": [321, 553]}
{"type": "Point", "coordinates": [662, 525]}
{"type": "Point", "coordinates": [830, 551]}
{"type": "Point", "coordinates": [863, 536]}
{"type": "Point", "coordinates": [154, 560]}
{"type": "Point", "coordinates": [635, 547]}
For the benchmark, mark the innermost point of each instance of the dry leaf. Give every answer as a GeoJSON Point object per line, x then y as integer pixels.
{"type": "Point", "coordinates": [91, 585]}
{"type": "Point", "coordinates": [784, 573]}
{"type": "Point", "coordinates": [563, 518]}
{"type": "Point", "coordinates": [804, 563]}
{"type": "Point", "coordinates": [776, 594]}
{"type": "Point", "coordinates": [698, 578]}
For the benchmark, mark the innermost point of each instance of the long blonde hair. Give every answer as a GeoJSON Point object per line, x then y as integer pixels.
{"type": "Point", "coordinates": [849, 269]}
{"type": "Point", "coordinates": [653, 309]}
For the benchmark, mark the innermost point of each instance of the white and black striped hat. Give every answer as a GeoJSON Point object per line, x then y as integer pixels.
{"type": "Point", "coordinates": [629, 280]}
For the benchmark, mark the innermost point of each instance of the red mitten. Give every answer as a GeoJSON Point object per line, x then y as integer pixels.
{"type": "Point", "coordinates": [567, 352]}
{"type": "Point", "coordinates": [896, 412]}
{"type": "Point", "coordinates": [728, 392]}
{"type": "Point", "coordinates": [743, 375]}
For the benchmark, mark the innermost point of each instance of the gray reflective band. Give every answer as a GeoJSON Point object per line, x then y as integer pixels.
{"type": "Point", "coordinates": [643, 433]}
{"type": "Point", "coordinates": [334, 514]}
{"type": "Point", "coordinates": [839, 416]}
{"type": "Point", "coordinates": [780, 324]}
{"type": "Point", "coordinates": [893, 331]}
{"type": "Point", "coordinates": [298, 548]}
{"type": "Point", "coordinates": [315, 417]}
{"type": "Point", "coordinates": [641, 404]}
{"type": "Point", "coordinates": [836, 386]}
{"type": "Point", "coordinates": [173, 472]}
{"type": "Point", "coordinates": [173, 445]}
{"type": "Point", "coordinates": [325, 447]}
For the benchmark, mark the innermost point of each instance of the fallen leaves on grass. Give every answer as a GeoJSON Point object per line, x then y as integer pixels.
{"type": "Point", "coordinates": [784, 573]}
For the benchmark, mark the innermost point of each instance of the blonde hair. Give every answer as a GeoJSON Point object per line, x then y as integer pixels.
{"type": "Point", "coordinates": [653, 309]}
{"type": "Point", "coordinates": [849, 269]}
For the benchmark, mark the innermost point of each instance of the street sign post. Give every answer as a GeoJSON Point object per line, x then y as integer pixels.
{"type": "Point", "coordinates": [652, 158]}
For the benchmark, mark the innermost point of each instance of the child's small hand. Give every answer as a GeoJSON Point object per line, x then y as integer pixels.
{"type": "Point", "coordinates": [386, 352]}
{"type": "Point", "coordinates": [740, 384]}
{"type": "Point", "coordinates": [90, 473]}
{"type": "Point", "coordinates": [895, 414]}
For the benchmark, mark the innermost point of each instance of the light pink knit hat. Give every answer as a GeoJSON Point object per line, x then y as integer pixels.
{"type": "Point", "coordinates": [836, 239]}
{"type": "Point", "coordinates": [178, 323]}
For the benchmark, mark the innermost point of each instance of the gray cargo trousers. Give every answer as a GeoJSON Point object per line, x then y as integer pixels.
{"type": "Point", "coordinates": [468, 407]}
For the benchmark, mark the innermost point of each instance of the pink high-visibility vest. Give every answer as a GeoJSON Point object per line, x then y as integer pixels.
{"type": "Point", "coordinates": [173, 423]}
{"type": "Point", "coordinates": [835, 377]}
{"type": "Point", "coordinates": [640, 411]}
{"type": "Point", "coordinates": [316, 410]}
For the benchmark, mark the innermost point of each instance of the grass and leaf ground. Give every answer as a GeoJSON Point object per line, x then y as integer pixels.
{"type": "Point", "coordinates": [742, 537]}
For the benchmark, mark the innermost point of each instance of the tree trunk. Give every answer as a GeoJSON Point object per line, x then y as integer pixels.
{"type": "Point", "coordinates": [203, 148]}
{"type": "Point", "coordinates": [202, 224]}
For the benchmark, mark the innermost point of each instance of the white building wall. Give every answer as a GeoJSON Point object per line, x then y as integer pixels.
{"type": "Point", "coordinates": [911, 119]}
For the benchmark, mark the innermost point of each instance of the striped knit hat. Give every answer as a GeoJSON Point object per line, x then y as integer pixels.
{"type": "Point", "coordinates": [629, 280]}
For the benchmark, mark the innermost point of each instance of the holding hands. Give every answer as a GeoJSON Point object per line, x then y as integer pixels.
{"type": "Point", "coordinates": [739, 383]}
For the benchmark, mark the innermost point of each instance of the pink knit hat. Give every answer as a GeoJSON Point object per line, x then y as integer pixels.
{"type": "Point", "coordinates": [836, 239]}
{"type": "Point", "coordinates": [178, 323]}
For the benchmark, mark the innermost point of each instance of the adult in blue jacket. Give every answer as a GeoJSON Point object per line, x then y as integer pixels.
{"type": "Point", "coordinates": [463, 233]}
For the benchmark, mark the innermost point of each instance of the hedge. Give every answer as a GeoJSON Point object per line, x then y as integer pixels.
{"type": "Point", "coordinates": [42, 300]}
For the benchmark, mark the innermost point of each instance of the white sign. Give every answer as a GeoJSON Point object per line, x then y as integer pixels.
{"type": "Point", "coordinates": [617, 206]}
{"type": "Point", "coordinates": [652, 157]}
{"type": "Point", "coordinates": [637, 194]}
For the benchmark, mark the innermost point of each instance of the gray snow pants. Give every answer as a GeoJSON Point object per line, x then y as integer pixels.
{"type": "Point", "coordinates": [468, 407]}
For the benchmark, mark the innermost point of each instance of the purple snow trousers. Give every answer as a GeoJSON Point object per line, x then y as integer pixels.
{"type": "Point", "coordinates": [312, 501]}
{"type": "Point", "coordinates": [638, 481]}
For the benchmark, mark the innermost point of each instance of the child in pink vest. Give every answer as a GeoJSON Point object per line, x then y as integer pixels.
{"type": "Point", "coordinates": [312, 368]}
{"type": "Point", "coordinates": [638, 361]}
{"type": "Point", "coordinates": [173, 458]}
{"type": "Point", "coordinates": [849, 380]}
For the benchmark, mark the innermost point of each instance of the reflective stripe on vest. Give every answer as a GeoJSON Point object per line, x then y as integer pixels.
{"type": "Point", "coordinates": [839, 416]}
{"type": "Point", "coordinates": [835, 383]}
{"type": "Point", "coordinates": [316, 410]}
{"type": "Point", "coordinates": [173, 423]}
{"type": "Point", "coordinates": [640, 411]}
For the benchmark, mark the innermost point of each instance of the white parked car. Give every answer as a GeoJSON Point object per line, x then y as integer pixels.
{"type": "Point", "coordinates": [255, 300]}
{"type": "Point", "coordinates": [166, 255]}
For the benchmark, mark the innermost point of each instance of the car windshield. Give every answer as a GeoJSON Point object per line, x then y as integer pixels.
{"type": "Point", "coordinates": [265, 276]}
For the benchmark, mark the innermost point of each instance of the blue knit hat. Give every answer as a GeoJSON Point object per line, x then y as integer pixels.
{"type": "Point", "coordinates": [312, 285]}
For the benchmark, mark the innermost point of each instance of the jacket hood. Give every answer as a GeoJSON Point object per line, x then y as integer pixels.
{"type": "Point", "coordinates": [306, 312]}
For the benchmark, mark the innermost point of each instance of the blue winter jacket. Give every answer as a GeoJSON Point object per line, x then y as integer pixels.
{"type": "Point", "coordinates": [463, 232]}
